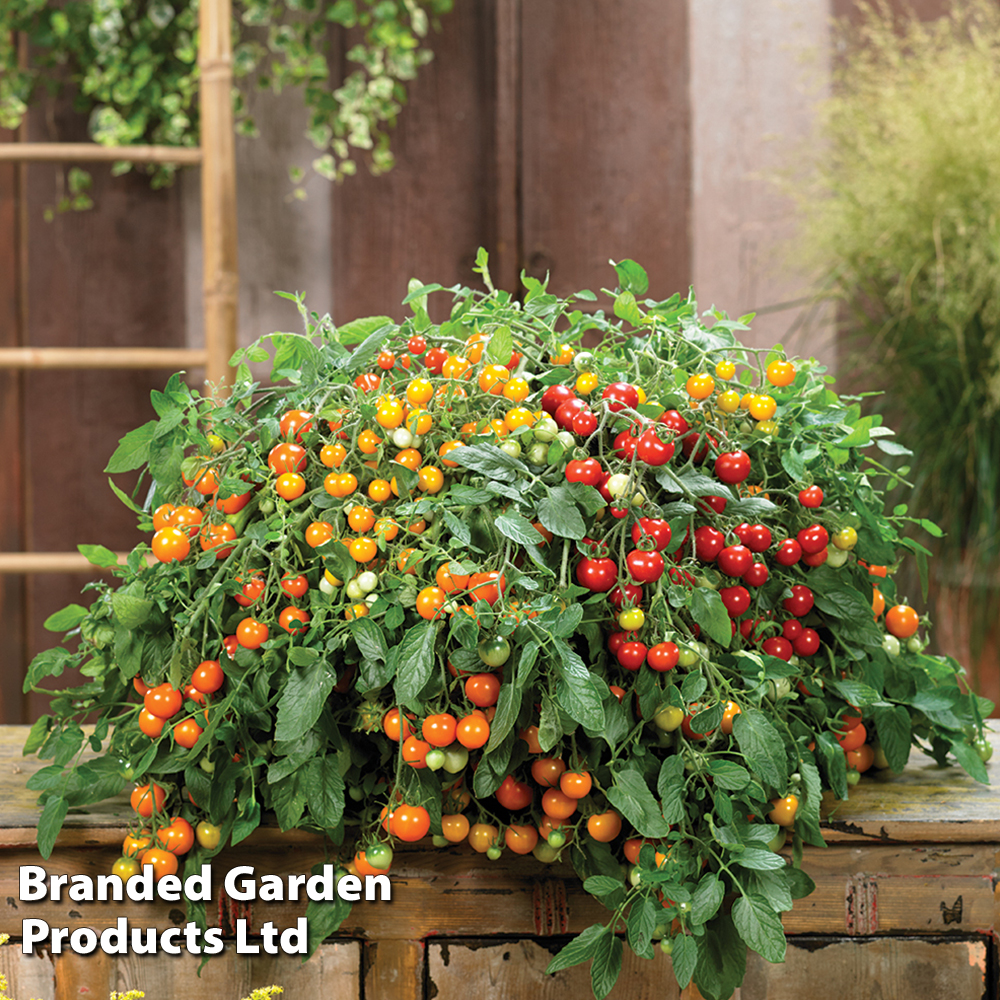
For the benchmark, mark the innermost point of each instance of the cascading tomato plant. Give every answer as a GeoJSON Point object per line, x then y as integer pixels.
{"type": "Point", "coordinates": [565, 602]}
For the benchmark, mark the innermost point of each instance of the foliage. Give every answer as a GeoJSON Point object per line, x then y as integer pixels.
{"type": "Point", "coordinates": [903, 215]}
{"type": "Point", "coordinates": [133, 69]}
{"type": "Point", "coordinates": [398, 507]}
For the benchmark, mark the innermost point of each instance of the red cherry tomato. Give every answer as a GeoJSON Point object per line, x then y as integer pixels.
{"type": "Point", "coordinates": [597, 575]}
{"type": "Point", "coordinates": [732, 466]}
{"type": "Point", "coordinates": [735, 560]}
{"type": "Point", "coordinates": [645, 567]}
{"type": "Point", "coordinates": [619, 395]}
{"type": "Point", "coordinates": [631, 655]}
{"type": "Point", "coordinates": [801, 601]}
{"type": "Point", "coordinates": [789, 552]}
{"type": "Point", "coordinates": [708, 543]}
{"type": "Point", "coordinates": [663, 656]}
{"type": "Point", "coordinates": [652, 528]}
{"type": "Point", "coordinates": [812, 496]}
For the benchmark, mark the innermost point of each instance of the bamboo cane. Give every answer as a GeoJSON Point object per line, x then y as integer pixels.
{"type": "Point", "coordinates": [102, 357]}
{"type": "Point", "coordinates": [92, 152]}
{"type": "Point", "coordinates": [218, 187]}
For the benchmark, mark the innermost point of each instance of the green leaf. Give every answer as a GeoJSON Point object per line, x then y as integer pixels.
{"type": "Point", "coordinates": [130, 611]}
{"type": "Point", "coordinates": [98, 555]}
{"type": "Point", "coordinates": [627, 309]}
{"type": "Point", "coordinates": [125, 499]}
{"type": "Point", "coordinates": [582, 948]}
{"type": "Point", "coordinates": [602, 885]}
{"type": "Point", "coordinates": [370, 639]}
{"type": "Point", "coordinates": [324, 788]}
{"type": "Point", "coordinates": [508, 707]}
{"type": "Point", "coordinates": [567, 621]}
{"type": "Point", "coordinates": [606, 965]}
{"type": "Point", "coordinates": [631, 276]}
{"type": "Point", "coordinates": [630, 795]}
{"type": "Point", "coordinates": [517, 528]}
{"type": "Point", "coordinates": [500, 346]}
{"type": "Point", "coordinates": [640, 925]}
{"type": "Point", "coordinates": [416, 662]}
{"type": "Point", "coordinates": [706, 899]}
{"type": "Point", "coordinates": [670, 788]}
{"type": "Point", "coordinates": [854, 692]}
{"type": "Point", "coordinates": [65, 619]}
{"type": "Point", "coordinates": [422, 291]}
{"type": "Point", "coordinates": [722, 959]}
{"type": "Point", "coordinates": [728, 775]}
{"type": "Point", "coordinates": [580, 693]}
{"type": "Point", "coordinates": [133, 449]}
{"type": "Point", "coordinates": [360, 329]}
{"type": "Point", "coordinates": [50, 823]}
{"type": "Point", "coordinates": [710, 613]}
{"type": "Point", "coordinates": [893, 728]}
{"type": "Point", "coordinates": [558, 512]}
{"type": "Point", "coordinates": [303, 699]}
{"type": "Point", "coordinates": [489, 460]}
{"type": "Point", "coordinates": [762, 746]}
{"type": "Point", "coordinates": [37, 734]}
{"type": "Point", "coordinates": [758, 859]}
{"type": "Point", "coordinates": [760, 927]}
{"type": "Point", "coordinates": [683, 958]}
{"type": "Point", "coordinates": [245, 823]}
{"type": "Point", "coordinates": [968, 757]}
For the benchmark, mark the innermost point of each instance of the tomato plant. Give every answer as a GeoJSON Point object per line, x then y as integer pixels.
{"type": "Point", "coordinates": [442, 579]}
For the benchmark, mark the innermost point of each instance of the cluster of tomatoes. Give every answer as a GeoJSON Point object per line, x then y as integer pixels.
{"type": "Point", "coordinates": [369, 470]}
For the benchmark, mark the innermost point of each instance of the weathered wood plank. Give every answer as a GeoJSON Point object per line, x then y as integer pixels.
{"type": "Point", "coordinates": [517, 969]}
{"type": "Point", "coordinates": [394, 970]}
{"type": "Point", "coordinates": [871, 970]}
{"type": "Point", "coordinates": [333, 971]}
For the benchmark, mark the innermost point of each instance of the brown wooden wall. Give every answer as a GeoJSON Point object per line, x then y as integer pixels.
{"type": "Point", "coordinates": [525, 135]}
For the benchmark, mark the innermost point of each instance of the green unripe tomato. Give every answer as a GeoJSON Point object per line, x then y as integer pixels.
{"type": "Point", "coordinates": [668, 719]}
{"type": "Point", "coordinates": [435, 759]}
{"type": "Point", "coordinates": [583, 361]}
{"type": "Point", "coordinates": [379, 856]}
{"type": "Point", "coordinates": [658, 932]}
{"type": "Point", "coordinates": [556, 839]}
{"type": "Point", "coordinates": [494, 652]}
{"type": "Point", "coordinates": [207, 765]}
{"type": "Point", "coordinates": [778, 688]}
{"type": "Point", "coordinates": [836, 557]}
{"type": "Point", "coordinates": [402, 438]}
{"type": "Point", "coordinates": [984, 748]}
{"type": "Point", "coordinates": [880, 760]}
{"type": "Point", "coordinates": [354, 590]}
{"type": "Point", "coordinates": [325, 586]}
{"type": "Point", "coordinates": [667, 945]}
{"type": "Point", "coordinates": [687, 657]}
{"type": "Point", "coordinates": [266, 506]}
{"type": "Point", "coordinates": [545, 430]}
{"type": "Point", "coordinates": [853, 776]}
{"type": "Point", "coordinates": [455, 758]}
{"type": "Point", "coordinates": [566, 440]}
{"type": "Point", "coordinates": [891, 645]}
{"type": "Point", "coordinates": [513, 448]}
{"type": "Point", "coordinates": [777, 842]}
{"type": "Point", "coordinates": [617, 484]}
{"type": "Point", "coordinates": [357, 793]}
{"type": "Point", "coordinates": [635, 876]}
{"type": "Point", "coordinates": [438, 841]}
{"type": "Point", "coordinates": [545, 853]}
{"type": "Point", "coordinates": [538, 453]}
{"type": "Point", "coordinates": [368, 581]}
{"type": "Point", "coordinates": [494, 853]}
{"type": "Point", "coordinates": [915, 644]}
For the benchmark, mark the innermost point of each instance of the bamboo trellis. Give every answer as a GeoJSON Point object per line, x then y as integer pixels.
{"type": "Point", "coordinates": [217, 157]}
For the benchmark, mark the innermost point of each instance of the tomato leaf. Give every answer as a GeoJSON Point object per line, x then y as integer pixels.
{"type": "Point", "coordinates": [729, 775]}
{"type": "Point", "coordinates": [65, 619]}
{"type": "Point", "coordinates": [706, 899]}
{"type": "Point", "coordinates": [683, 958]}
{"type": "Point", "coordinates": [580, 693]}
{"type": "Point", "coordinates": [487, 459]}
{"type": "Point", "coordinates": [759, 859]}
{"type": "Point", "coordinates": [517, 529]}
{"type": "Point", "coordinates": [508, 707]}
{"type": "Point", "coordinates": [500, 346]}
{"type": "Point", "coordinates": [630, 795]}
{"type": "Point", "coordinates": [640, 926]}
{"type": "Point", "coordinates": [415, 663]}
{"type": "Point", "coordinates": [762, 746]}
{"type": "Point", "coordinates": [893, 728]}
{"type": "Point", "coordinates": [246, 823]}
{"type": "Point", "coordinates": [632, 277]}
{"type": "Point", "coordinates": [627, 309]}
{"type": "Point", "coordinates": [324, 788]}
{"type": "Point", "coordinates": [710, 613]}
{"type": "Point", "coordinates": [559, 513]}
{"type": "Point", "coordinates": [370, 639]}
{"type": "Point", "coordinates": [133, 449]}
{"type": "Point", "coordinates": [303, 699]}
{"type": "Point", "coordinates": [760, 927]}
{"type": "Point", "coordinates": [324, 918]}
{"type": "Point", "coordinates": [50, 823]}
{"type": "Point", "coordinates": [968, 757]}
{"type": "Point", "coordinates": [583, 947]}
{"type": "Point", "coordinates": [722, 959]}
{"type": "Point", "coordinates": [670, 788]}
{"type": "Point", "coordinates": [493, 767]}
{"type": "Point", "coordinates": [606, 965]}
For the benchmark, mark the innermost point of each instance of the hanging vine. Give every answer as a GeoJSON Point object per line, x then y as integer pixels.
{"type": "Point", "coordinates": [132, 66]}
